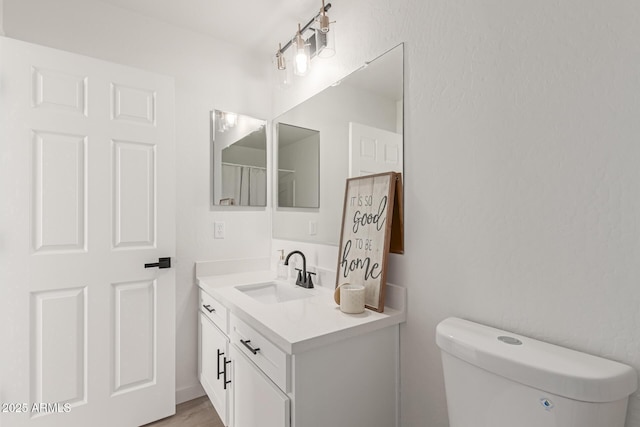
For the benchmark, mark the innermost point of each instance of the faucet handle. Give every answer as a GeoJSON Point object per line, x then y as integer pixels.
{"type": "Point", "coordinates": [309, 281]}
{"type": "Point", "coordinates": [299, 279]}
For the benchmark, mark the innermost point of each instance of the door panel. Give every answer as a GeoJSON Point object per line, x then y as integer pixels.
{"type": "Point", "coordinates": [59, 199]}
{"type": "Point", "coordinates": [134, 194]}
{"type": "Point", "coordinates": [373, 150]}
{"type": "Point", "coordinates": [59, 325]}
{"type": "Point", "coordinates": [88, 189]}
{"type": "Point", "coordinates": [59, 90]}
{"type": "Point", "coordinates": [134, 352]}
{"type": "Point", "coordinates": [135, 105]}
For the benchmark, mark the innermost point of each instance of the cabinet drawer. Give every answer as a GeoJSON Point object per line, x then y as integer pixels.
{"type": "Point", "coordinates": [269, 358]}
{"type": "Point", "coordinates": [214, 311]}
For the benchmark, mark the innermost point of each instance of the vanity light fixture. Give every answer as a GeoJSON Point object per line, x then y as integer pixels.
{"type": "Point", "coordinates": [226, 121]}
{"type": "Point", "coordinates": [280, 59]}
{"type": "Point", "coordinates": [302, 58]}
{"type": "Point", "coordinates": [323, 19]}
{"type": "Point", "coordinates": [231, 119]}
{"type": "Point", "coordinates": [325, 36]}
{"type": "Point", "coordinates": [284, 74]}
{"type": "Point", "coordinates": [309, 41]}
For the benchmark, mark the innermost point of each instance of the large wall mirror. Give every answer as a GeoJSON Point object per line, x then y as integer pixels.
{"type": "Point", "coordinates": [238, 159]}
{"type": "Point", "coordinates": [358, 122]}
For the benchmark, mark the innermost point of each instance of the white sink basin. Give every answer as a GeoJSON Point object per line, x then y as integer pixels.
{"type": "Point", "coordinates": [275, 292]}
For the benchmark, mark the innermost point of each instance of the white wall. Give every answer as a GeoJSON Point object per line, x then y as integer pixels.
{"type": "Point", "coordinates": [521, 170]}
{"type": "Point", "coordinates": [96, 29]}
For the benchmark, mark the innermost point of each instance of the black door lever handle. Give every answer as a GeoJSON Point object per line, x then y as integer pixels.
{"type": "Point", "coordinates": [162, 263]}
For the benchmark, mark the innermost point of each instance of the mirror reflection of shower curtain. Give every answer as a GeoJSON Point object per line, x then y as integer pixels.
{"type": "Point", "coordinates": [258, 187]}
{"type": "Point", "coordinates": [246, 185]}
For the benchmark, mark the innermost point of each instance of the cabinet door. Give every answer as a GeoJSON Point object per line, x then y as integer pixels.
{"type": "Point", "coordinates": [212, 365]}
{"type": "Point", "coordinates": [257, 401]}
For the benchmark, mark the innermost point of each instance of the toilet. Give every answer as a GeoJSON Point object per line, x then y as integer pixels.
{"type": "Point", "coordinates": [495, 378]}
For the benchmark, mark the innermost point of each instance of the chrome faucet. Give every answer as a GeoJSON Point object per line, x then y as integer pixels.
{"type": "Point", "coordinates": [304, 277]}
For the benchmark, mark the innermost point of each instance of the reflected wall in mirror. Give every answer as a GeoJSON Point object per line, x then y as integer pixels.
{"type": "Point", "coordinates": [298, 166]}
{"type": "Point", "coordinates": [360, 125]}
{"type": "Point", "coordinates": [239, 160]}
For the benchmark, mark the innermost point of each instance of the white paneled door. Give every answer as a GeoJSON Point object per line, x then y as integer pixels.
{"type": "Point", "coordinates": [87, 183]}
{"type": "Point", "coordinates": [373, 150]}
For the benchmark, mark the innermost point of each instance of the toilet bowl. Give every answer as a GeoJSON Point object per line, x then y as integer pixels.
{"type": "Point", "coordinates": [495, 378]}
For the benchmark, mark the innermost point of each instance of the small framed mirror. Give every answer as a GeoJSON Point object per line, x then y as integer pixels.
{"type": "Point", "coordinates": [298, 167]}
{"type": "Point", "coordinates": [238, 160]}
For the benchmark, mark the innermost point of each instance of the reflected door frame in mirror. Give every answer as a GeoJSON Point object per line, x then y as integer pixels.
{"type": "Point", "coordinates": [239, 172]}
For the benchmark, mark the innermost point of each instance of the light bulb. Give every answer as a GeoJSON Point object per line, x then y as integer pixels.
{"type": "Point", "coordinates": [302, 57]}
{"type": "Point", "coordinates": [231, 119]}
{"type": "Point", "coordinates": [301, 62]}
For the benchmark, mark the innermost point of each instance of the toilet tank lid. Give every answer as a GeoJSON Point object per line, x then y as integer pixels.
{"type": "Point", "coordinates": [537, 364]}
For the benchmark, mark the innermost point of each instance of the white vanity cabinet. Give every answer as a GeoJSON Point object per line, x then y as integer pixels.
{"type": "Point", "coordinates": [214, 370]}
{"type": "Point", "coordinates": [242, 394]}
{"type": "Point", "coordinates": [347, 378]}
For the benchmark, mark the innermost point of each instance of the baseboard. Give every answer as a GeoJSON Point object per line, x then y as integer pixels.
{"type": "Point", "coordinates": [189, 393]}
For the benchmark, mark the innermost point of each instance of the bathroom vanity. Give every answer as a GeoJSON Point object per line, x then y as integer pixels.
{"type": "Point", "coordinates": [276, 355]}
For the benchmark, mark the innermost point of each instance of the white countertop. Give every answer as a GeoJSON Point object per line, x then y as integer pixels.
{"type": "Point", "coordinates": [299, 325]}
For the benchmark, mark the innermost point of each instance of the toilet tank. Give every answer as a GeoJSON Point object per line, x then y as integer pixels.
{"type": "Point", "coordinates": [495, 378]}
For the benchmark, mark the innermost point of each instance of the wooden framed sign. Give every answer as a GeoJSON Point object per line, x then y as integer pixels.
{"type": "Point", "coordinates": [371, 227]}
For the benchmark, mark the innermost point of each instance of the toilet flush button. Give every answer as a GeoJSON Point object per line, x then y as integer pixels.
{"type": "Point", "coordinates": [509, 340]}
{"type": "Point", "coordinates": [546, 403]}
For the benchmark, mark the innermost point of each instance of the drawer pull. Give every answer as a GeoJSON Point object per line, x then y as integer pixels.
{"type": "Point", "coordinates": [226, 362]}
{"type": "Point", "coordinates": [220, 353]}
{"type": "Point", "coordinates": [209, 308]}
{"type": "Point", "coordinates": [251, 349]}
